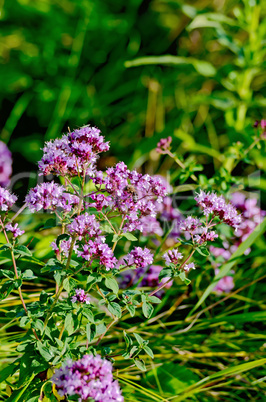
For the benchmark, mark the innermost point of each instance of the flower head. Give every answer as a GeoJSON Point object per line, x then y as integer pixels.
{"type": "Point", "coordinates": [7, 200]}
{"type": "Point", "coordinates": [216, 205]}
{"type": "Point", "coordinates": [80, 297]}
{"type": "Point", "coordinates": [50, 196]}
{"type": "Point", "coordinates": [14, 229]}
{"type": "Point", "coordinates": [163, 145]}
{"type": "Point", "coordinates": [74, 153]}
{"type": "Point", "coordinates": [84, 225]}
{"type": "Point", "coordinates": [172, 257]}
{"type": "Point", "coordinates": [139, 257]}
{"type": "Point", "coordinates": [89, 377]}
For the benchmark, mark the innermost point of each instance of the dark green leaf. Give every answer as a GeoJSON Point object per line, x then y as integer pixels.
{"type": "Point", "coordinates": [114, 309]}
{"type": "Point", "coordinates": [111, 283]}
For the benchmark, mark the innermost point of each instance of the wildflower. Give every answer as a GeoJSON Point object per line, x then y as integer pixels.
{"type": "Point", "coordinates": [50, 196]}
{"type": "Point", "coordinates": [163, 145]}
{"type": "Point", "coordinates": [216, 205]}
{"type": "Point", "coordinates": [80, 297]}
{"type": "Point", "coordinates": [89, 378]}
{"type": "Point", "coordinates": [5, 164]}
{"type": "Point", "coordinates": [64, 247]}
{"type": "Point", "coordinates": [97, 249]}
{"type": "Point", "coordinates": [84, 225]}
{"type": "Point", "coordinates": [188, 267]}
{"type": "Point", "coordinates": [7, 200]}
{"type": "Point", "coordinates": [14, 229]}
{"type": "Point", "coordinates": [190, 225]}
{"type": "Point", "coordinates": [73, 153]}
{"type": "Point", "coordinates": [139, 257]}
{"type": "Point", "coordinates": [172, 257]}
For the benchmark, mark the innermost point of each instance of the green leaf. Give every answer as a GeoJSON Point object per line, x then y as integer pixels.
{"type": "Point", "coordinates": [139, 339]}
{"type": "Point", "coordinates": [131, 309]}
{"type": "Point", "coordinates": [69, 284]}
{"type": "Point", "coordinates": [94, 278]}
{"type": "Point", "coordinates": [88, 314]}
{"type": "Point", "coordinates": [183, 278]}
{"type": "Point", "coordinates": [90, 332]}
{"type": "Point", "coordinates": [140, 364]}
{"type": "Point", "coordinates": [100, 329]}
{"type": "Point", "coordinates": [23, 251]}
{"type": "Point", "coordinates": [44, 351]}
{"type": "Point", "coordinates": [148, 351]}
{"type": "Point", "coordinates": [130, 237]}
{"type": "Point", "coordinates": [154, 299]}
{"type": "Point", "coordinates": [106, 228]}
{"type": "Point", "coordinates": [203, 251]}
{"type": "Point", "coordinates": [165, 273]}
{"type": "Point", "coordinates": [114, 309]}
{"type": "Point", "coordinates": [203, 67]}
{"type": "Point", "coordinates": [38, 324]}
{"type": "Point", "coordinates": [115, 238]}
{"type": "Point", "coordinates": [69, 324]}
{"type": "Point", "coordinates": [111, 283]}
{"type": "Point", "coordinates": [28, 274]}
{"type": "Point", "coordinates": [225, 269]}
{"type": "Point", "coordinates": [147, 309]}
{"type": "Point", "coordinates": [7, 371]}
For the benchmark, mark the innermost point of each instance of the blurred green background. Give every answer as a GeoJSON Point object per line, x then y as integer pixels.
{"type": "Point", "coordinates": [138, 69]}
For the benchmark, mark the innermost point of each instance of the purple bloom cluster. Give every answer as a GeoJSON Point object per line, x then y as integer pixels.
{"type": "Point", "coordinates": [139, 257]}
{"type": "Point", "coordinates": [14, 229]}
{"type": "Point", "coordinates": [84, 225]}
{"type": "Point", "coordinates": [63, 248]}
{"type": "Point", "coordinates": [163, 145]}
{"type": "Point", "coordinates": [172, 257]}
{"type": "Point", "coordinates": [97, 249]}
{"type": "Point", "coordinates": [188, 267]}
{"type": "Point", "coordinates": [80, 296]}
{"type": "Point", "coordinates": [89, 377]}
{"type": "Point", "coordinates": [5, 164]}
{"type": "Point", "coordinates": [217, 206]}
{"type": "Point", "coordinates": [7, 200]}
{"type": "Point", "coordinates": [195, 229]}
{"type": "Point", "coordinates": [74, 153]}
{"type": "Point", "coordinates": [50, 196]}
{"type": "Point", "coordinates": [130, 193]}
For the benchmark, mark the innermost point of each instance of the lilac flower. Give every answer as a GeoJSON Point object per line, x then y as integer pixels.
{"type": "Point", "coordinates": [14, 229]}
{"type": "Point", "coordinates": [50, 196]}
{"type": "Point", "coordinates": [190, 225]}
{"type": "Point", "coordinates": [89, 377]}
{"type": "Point", "coordinates": [205, 236]}
{"type": "Point", "coordinates": [84, 225]}
{"type": "Point", "coordinates": [139, 257]}
{"type": "Point", "coordinates": [97, 249]}
{"type": "Point", "coordinates": [172, 257]}
{"type": "Point", "coordinates": [5, 164]}
{"type": "Point", "coordinates": [64, 247]}
{"type": "Point", "coordinates": [216, 205]}
{"type": "Point", "coordinates": [80, 297]}
{"type": "Point", "coordinates": [7, 200]}
{"type": "Point", "coordinates": [163, 145]}
{"type": "Point", "coordinates": [188, 267]}
{"type": "Point", "coordinates": [74, 153]}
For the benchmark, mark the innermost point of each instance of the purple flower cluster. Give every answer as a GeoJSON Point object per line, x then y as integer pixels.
{"type": "Point", "coordinates": [80, 297]}
{"type": "Point", "coordinates": [5, 164]}
{"type": "Point", "coordinates": [14, 229]}
{"type": "Point", "coordinates": [130, 193]}
{"type": "Point", "coordinates": [74, 153]}
{"type": "Point", "coordinates": [84, 225]}
{"type": "Point", "coordinates": [217, 206]}
{"type": "Point", "coordinates": [7, 200]}
{"type": "Point", "coordinates": [63, 247]}
{"type": "Point", "coordinates": [172, 257]}
{"type": "Point", "coordinates": [97, 249]}
{"type": "Point", "coordinates": [139, 257]}
{"type": "Point", "coordinates": [195, 229]}
{"type": "Point", "coordinates": [225, 284]}
{"type": "Point", "coordinates": [50, 196]}
{"type": "Point", "coordinates": [89, 377]}
{"type": "Point", "coordinates": [163, 145]}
